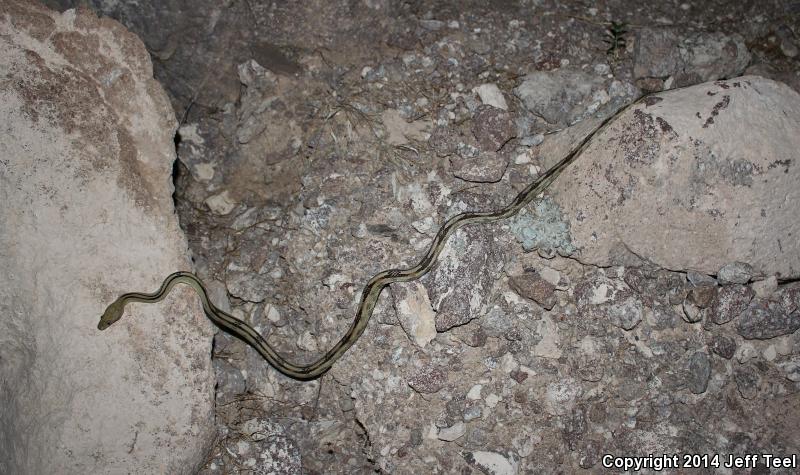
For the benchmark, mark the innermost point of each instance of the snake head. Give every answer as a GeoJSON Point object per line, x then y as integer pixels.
{"type": "Point", "coordinates": [111, 315]}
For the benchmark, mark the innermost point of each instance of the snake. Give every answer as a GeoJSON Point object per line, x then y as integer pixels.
{"type": "Point", "coordinates": [372, 290]}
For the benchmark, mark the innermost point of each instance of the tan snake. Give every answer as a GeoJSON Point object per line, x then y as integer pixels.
{"type": "Point", "coordinates": [371, 292]}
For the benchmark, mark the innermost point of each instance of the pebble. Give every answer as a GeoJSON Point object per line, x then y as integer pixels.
{"type": "Point", "coordinates": [474, 392]}
{"type": "Point", "coordinates": [765, 288]}
{"type": "Point", "coordinates": [735, 273]}
{"type": "Point", "coordinates": [491, 463]}
{"type": "Point", "coordinates": [791, 369]}
{"type": "Point", "coordinates": [428, 380]}
{"type": "Point", "coordinates": [490, 95]}
{"type": "Point", "coordinates": [492, 128]}
{"type": "Point", "coordinates": [534, 287]}
{"type": "Point", "coordinates": [449, 434]}
{"type": "Point", "coordinates": [221, 203]}
{"type": "Point", "coordinates": [762, 321]}
{"type": "Point", "coordinates": [699, 372]}
{"type": "Point", "coordinates": [472, 412]}
{"type": "Point", "coordinates": [729, 302]}
{"type": "Point", "coordinates": [723, 346]}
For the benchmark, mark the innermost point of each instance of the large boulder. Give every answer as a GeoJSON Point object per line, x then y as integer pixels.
{"type": "Point", "coordinates": [690, 179]}
{"type": "Point", "coordinates": [86, 154]}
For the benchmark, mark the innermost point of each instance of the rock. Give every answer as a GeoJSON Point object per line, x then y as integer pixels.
{"type": "Point", "coordinates": [265, 448]}
{"type": "Point", "coordinates": [747, 381]}
{"type": "Point", "coordinates": [762, 321]}
{"type": "Point", "coordinates": [789, 297]}
{"type": "Point", "coordinates": [729, 302]}
{"type": "Point", "coordinates": [702, 295]}
{"type": "Point", "coordinates": [490, 95]}
{"type": "Point", "coordinates": [491, 463]}
{"type": "Point", "coordinates": [723, 346]}
{"type": "Point", "coordinates": [221, 203]}
{"type": "Point", "coordinates": [735, 273]}
{"type": "Point", "coordinates": [696, 278]}
{"type": "Point", "coordinates": [472, 412]}
{"type": "Point", "coordinates": [788, 44]}
{"type": "Point", "coordinates": [413, 307]}
{"type": "Point", "coordinates": [230, 381]}
{"type": "Point", "coordinates": [535, 288]}
{"type": "Point", "coordinates": [698, 372]}
{"type": "Point", "coordinates": [458, 284]}
{"type": "Point", "coordinates": [791, 369]}
{"type": "Point", "coordinates": [449, 434]}
{"type": "Point", "coordinates": [691, 313]}
{"type": "Point", "coordinates": [486, 167]}
{"type": "Point", "coordinates": [428, 380]}
{"type": "Point", "coordinates": [688, 192]}
{"type": "Point", "coordinates": [698, 57]}
{"type": "Point", "coordinates": [546, 229]}
{"type": "Point", "coordinates": [626, 314]}
{"type": "Point", "coordinates": [492, 128]}
{"type": "Point", "coordinates": [765, 288]}
{"type": "Point", "coordinates": [432, 25]}
{"type": "Point", "coordinates": [561, 96]}
{"type": "Point", "coordinates": [444, 141]}
{"type": "Point", "coordinates": [86, 155]}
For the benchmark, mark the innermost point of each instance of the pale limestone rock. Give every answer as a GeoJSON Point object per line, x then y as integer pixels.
{"type": "Point", "coordinates": [414, 312]}
{"type": "Point", "coordinates": [691, 179]}
{"type": "Point", "coordinates": [86, 156]}
{"type": "Point", "coordinates": [490, 95]}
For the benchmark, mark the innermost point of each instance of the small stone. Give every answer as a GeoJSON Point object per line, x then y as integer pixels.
{"type": "Point", "coordinates": [691, 313]}
{"type": "Point", "coordinates": [444, 141]}
{"type": "Point", "coordinates": [428, 380]}
{"type": "Point", "coordinates": [432, 25]}
{"type": "Point", "coordinates": [723, 346]}
{"type": "Point", "coordinates": [791, 369]}
{"type": "Point", "coordinates": [696, 278]}
{"type": "Point", "coordinates": [735, 273]}
{"type": "Point", "coordinates": [487, 167]}
{"type": "Point", "coordinates": [307, 342]}
{"type": "Point", "coordinates": [492, 128]}
{"type": "Point", "coordinates": [491, 463]}
{"type": "Point", "coordinates": [534, 287]}
{"type": "Point", "coordinates": [472, 412]}
{"type": "Point", "coordinates": [551, 275]}
{"type": "Point", "coordinates": [626, 314]}
{"type": "Point", "coordinates": [414, 311]}
{"type": "Point", "coordinates": [702, 295]}
{"type": "Point", "coordinates": [747, 381]}
{"type": "Point", "coordinates": [745, 352]}
{"type": "Point", "coordinates": [699, 372]}
{"type": "Point", "coordinates": [445, 321]}
{"type": "Point", "coordinates": [492, 400]}
{"type": "Point", "coordinates": [519, 376]}
{"type": "Point", "coordinates": [789, 297]}
{"type": "Point", "coordinates": [729, 302]}
{"type": "Point", "coordinates": [765, 288]}
{"type": "Point", "coordinates": [449, 434]}
{"type": "Point", "coordinates": [770, 353]}
{"type": "Point", "coordinates": [474, 392]}
{"type": "Point", "coordinates": [636, 279]}
{"type": "Point", "coordinates": [221, 203]}
{"type": "Point", "coordinates": [490, 95]}
{"type": "Point", "coordinates": [764, 321]}
{"type": "Point", "coordinates": [560, 96]}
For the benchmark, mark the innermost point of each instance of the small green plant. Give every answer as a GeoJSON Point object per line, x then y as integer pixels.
{"type": "Point", "coordinates": [615, 38]}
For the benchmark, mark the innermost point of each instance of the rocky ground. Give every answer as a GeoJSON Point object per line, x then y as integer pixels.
{"type": "Point", "coordinates": [323, 142]}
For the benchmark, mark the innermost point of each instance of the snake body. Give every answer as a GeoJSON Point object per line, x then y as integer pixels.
{"type": "Point", "coordinates": [371, 292]}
